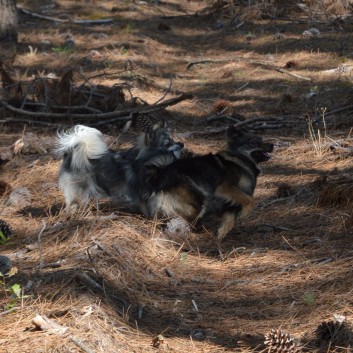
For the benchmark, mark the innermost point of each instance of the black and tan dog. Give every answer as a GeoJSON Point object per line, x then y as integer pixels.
{"type": "Point", "coordinates": [199, 187]}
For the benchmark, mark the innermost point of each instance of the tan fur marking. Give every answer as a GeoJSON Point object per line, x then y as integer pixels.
{"type": "Point", "coordinates": [179, 201]}
{"type": "Point", "coordinates": [236, 196]}
{"type": "Point", "coordinates": [245, 183]}
{"type": "Point", "coordinates": [227, 224]}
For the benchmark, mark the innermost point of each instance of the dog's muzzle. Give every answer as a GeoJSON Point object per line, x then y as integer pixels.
{"type": "Point", "coordinates": [263, 154]}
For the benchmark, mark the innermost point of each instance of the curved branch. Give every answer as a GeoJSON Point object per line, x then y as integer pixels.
{"type": "Point", "coordinates": [115, 114]}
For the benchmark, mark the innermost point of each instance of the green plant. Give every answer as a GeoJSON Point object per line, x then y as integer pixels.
{"type": "Point", "coordinates": [62, 50]}
{"type": "Point", "coordinates": [124, 51]}
{"type": "Point", "coordinates": [183, 257]}
{"type": "Point", "coordinates": [128, 28]}
{"type": "Point", "coordinates": [13, 293]}
{"type": "Point", "coordinates": [309, 298]}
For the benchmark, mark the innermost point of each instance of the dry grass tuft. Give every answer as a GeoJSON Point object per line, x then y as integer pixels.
{"type": "Point", "coordinates": [337, 191]}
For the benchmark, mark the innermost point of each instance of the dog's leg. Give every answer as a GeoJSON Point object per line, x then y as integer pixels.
{"type": "Point", "coordinates": [236, 196]}
{"type": "Point", "coordinates": [227, 224]}
{"type": "Point", "coordinates": [201, 214]}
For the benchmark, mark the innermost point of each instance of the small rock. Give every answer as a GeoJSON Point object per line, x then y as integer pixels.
{"type": "Point", "coordinates": [311, 33]}
{"type": "Point", "coordinates": [20, 197]}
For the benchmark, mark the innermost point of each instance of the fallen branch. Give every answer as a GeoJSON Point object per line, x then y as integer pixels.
{"type": "Point", "coordinates": [55, 19]}
{"type": "Point", "coordinates": [278, 122]}
{"type": "Point", "coordinates": [89, 282]}
{"type": "Point", "coordinates": [121, 115]}
{"type": "Point", "coordinates": [272, 67]}
{"type": "Point", "coordinates": [338, 110]}
{"type": "Point", "coordinates": [29, 121]}
{"type": "Point", "coordinates": [43, 323]}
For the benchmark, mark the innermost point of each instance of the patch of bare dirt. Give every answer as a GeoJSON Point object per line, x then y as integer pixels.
{"type": "Point", "coordinates": [116, 283]}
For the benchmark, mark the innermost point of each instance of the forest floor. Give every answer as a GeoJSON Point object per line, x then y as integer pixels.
{"type": "Point", "coordinates": [124, 284]}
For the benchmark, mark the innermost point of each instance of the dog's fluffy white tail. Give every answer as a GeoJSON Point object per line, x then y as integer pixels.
{"type": "Point", "coordinates": [82, 143]}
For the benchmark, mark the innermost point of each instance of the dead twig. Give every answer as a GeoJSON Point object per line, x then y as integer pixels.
{"type": "Point", "coordinates": [55, 264]}
{"type": "Point", "coordinates": [122, 115]}
{"type": "Point", "coordinates": [222, 117]}
{"type": "Point", "coordinates": [33, 122]}
{"type": "Point", "coordinates": [338, 110]}
{"type": "Point", "coordinates": [40, 265]}
{"type": "Point", "coordinates": [166, 92]}
{"type": "Point", "coordinates": [88, 281]}
{"type": "Point", "coordinates": [282, 71]}
{"type": "Point", "coordinates": [207, 61]}
{"type": "Point", "coordinates": [9, 310]}
{"type": "Point", "coordinates": [80, 345]}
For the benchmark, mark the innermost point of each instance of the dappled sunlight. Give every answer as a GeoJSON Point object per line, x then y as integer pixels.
{"type": "Point", "coordinates": [119, 282]}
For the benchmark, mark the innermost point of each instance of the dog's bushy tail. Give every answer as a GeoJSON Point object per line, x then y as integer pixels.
{"type": "Point", "coordinates": [79, 145]}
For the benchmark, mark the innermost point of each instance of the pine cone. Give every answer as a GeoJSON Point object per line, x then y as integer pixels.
{"type": "Point", "coordinates": [142, 122]}
{"type": "Point", "coordinates": [327, 330]}
{"type": "Point", "coordinates": [281, 342]}
{"type": "Point", "coordinates": [6, 231]}
{"type": "Point", "coordinates": [338, 333]}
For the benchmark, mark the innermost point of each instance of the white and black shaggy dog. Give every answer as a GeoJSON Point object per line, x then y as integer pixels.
{"type": "Point", "coordinates": [90, 170]}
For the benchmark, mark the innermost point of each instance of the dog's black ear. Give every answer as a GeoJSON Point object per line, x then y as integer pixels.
{"type": "Point", "coordinates": [149, 135]}
{"type": "Point", "coordinates": [234, 131]}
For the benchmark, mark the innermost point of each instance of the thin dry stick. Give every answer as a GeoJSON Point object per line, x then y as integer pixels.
{"type": "Point", "coordinates": [224, 128]}
{"type": "Point", "coordinates": [241, 87]}
{"type": "Point", "coordinates": [81, 345]}
{"type": "Point", "coordinates": [166, 92]}
{"type": "Point", "coordinates": [294, 249]}
{"type": "Point", "coordinates": [207, 61]}
{"type": "Point", "coordinates": [10, 310]}
{"type": "Point", "coordinates": [269, 66]}
{"type": "Point", "coordinates": [40, 266]}
{"type": "Point", "coordinates": [222, 117]}
{"type": "Point", "coordinates": [338, 110]}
